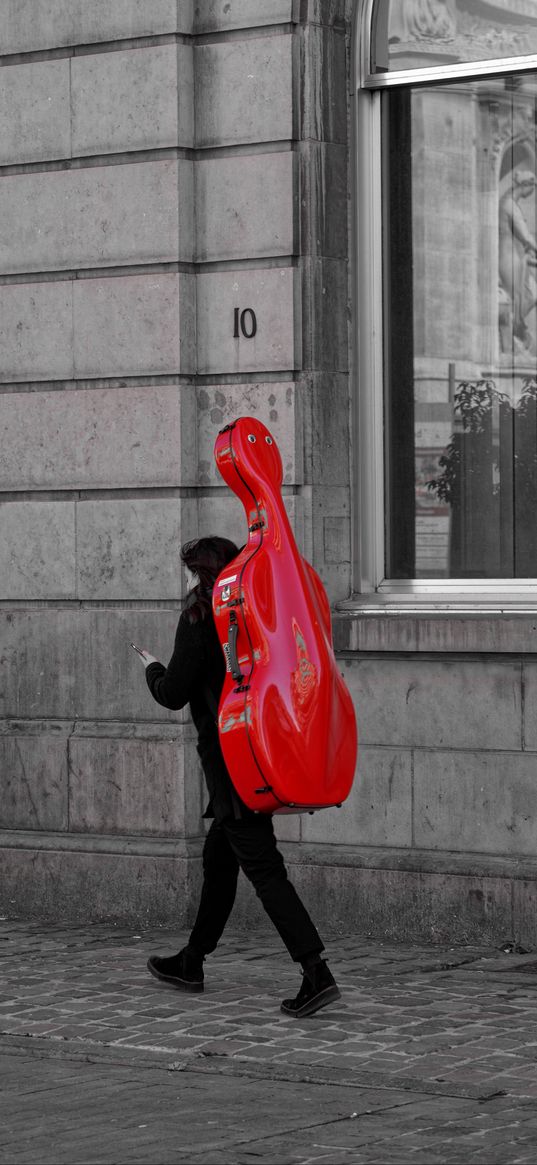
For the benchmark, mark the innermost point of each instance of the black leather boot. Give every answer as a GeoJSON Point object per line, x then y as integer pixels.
{"type": "Point", "coordinates": [184, 970]}
{"type": "Point", "coordinates": [318, 988]}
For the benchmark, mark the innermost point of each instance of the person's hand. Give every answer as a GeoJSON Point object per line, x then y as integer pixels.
{"type": "Point", "coordinates": [146, 658]}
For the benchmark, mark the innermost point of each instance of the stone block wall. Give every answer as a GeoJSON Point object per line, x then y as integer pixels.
{"type": "Point", "coordinates": [161, 173]}
{"type": "Point", "coordinates": [165, 167]}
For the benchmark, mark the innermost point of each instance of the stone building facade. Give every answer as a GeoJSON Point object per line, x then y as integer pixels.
{"type": "Point", "coordinates": [187, 208]}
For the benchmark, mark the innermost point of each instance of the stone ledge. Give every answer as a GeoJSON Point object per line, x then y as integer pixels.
{"type": "Point", "coordinates": [84, 843]}
{"type": "Point", "coordinates": [417, 861]}
{"type": "Point", "coordinates": [296, 854]}
{"type": "Point", "coordinates": [177, 730]}
{"type": "Point", "coordinates": [488, 631]}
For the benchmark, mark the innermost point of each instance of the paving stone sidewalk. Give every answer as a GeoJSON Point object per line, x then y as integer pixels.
{"type": "Point", "coordinates": [430, 1055]}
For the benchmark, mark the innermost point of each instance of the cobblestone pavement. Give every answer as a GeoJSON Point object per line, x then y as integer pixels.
{"type": "Point", "coordinates": [430, 1055]}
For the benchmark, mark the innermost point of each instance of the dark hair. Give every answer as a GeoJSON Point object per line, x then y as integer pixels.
{"type": "Point", "coordinates": [206, 557]}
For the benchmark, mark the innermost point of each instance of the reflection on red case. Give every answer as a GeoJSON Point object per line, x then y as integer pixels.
{"type": "Point", "coordinates": [286, 719]}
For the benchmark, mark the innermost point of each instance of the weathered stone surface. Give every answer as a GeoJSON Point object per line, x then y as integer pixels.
{"type": "Point", "coordinates": [524, 926]}
{"type": "Point", "coordinates": [97, 438]}
{"type": "Point", "coordinates": [97, 216]}
{"type": "Point", "coordinates": [458, 910]}
{"type": "Point", "coordinates": [437, 703]}
{"type": "Point", "coordinates": [223, 513]}
{"type": "Point", "coordinates": [130, 549]}
{"type": "Point", "coordinates": [328, 460]}
{"type": "Point", "coordinates": [274, 295]}
{"type": "Point", "coordinates": [134, 325]}
{"type": "Point", "coordinates": [403, 904]}
{"type": "Point", "coordinates": [395, 903]}
{"type": "Point", "coordinates": [277, 405]}
{"type": "Point", "coordinates": [371, 633]}
{"type": "Point", "coordinates": [35, 116]}
{"type": "Point", "coordinates": [331, 521]}
{"type": "Point", "coordinates": [475, 800]}
{"type": "Point", "coordinates": [38, 550]}
{"type": "Point", "coordinates": [27, 27]}
{"type": "Point", "coordinates": [327, 442]}
{"type": "Point", "coordinates": [245, 207]}
{"type": "Point", "coordinates": [326, 310]}
{"type": "Point", "coordinates": [149, 885]}
{"type": "Point", "coordinates": [67, 663]}
{"type": "Point", "coordinates": [133, 786]}
{"type": "Point", "coordinates": [244, 91]}
{"type": "Point", "coordinates": [140, 99]}
{"type": "Point", "coordinates": [38, 660]}
{"type": "Point", "coordinates": [324, 192]}
{"type": "Point", "coordinates": [324, 110]}
{"type": "Point", "coordinates": [287, 827]}
{"type": "Point", "coordinates": [327, 11]}
{"type": "Point", "coordinates": [36, 331]}
{"type": "Point", "coordinates": [131, 325]}
{"type": "Point", "coordinates": [220, 15]}
{"type": "Point", "coordinates": [110, 681]}
{"type": "Point", "coordinates": [337, 540]}
{"type": "Point", "coordinates": [34, 781]}
{"type": "Point", "coordinates": [86, 887]}
{"type": "Point", "coordinates": [331, 530]}
{"type": "Point", "coordinates": [530, 699]}
{"type": "Point", "coordinates": [378, 808]}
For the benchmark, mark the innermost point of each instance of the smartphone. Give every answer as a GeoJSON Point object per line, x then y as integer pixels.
{"type": "Point", "coordinates": [138, 649]}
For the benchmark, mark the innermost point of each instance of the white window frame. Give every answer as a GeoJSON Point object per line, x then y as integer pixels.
{"type": "Point", "coordinates": [372, 591]}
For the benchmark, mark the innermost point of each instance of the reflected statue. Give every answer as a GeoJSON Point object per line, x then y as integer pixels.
{"type": "Point", "coordinates": [422, 20]}
{"type": "Point", "coordinates": [517, 258]}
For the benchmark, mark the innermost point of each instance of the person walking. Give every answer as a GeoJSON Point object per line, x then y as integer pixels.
{"type": "Point", "coordinates": [238, 838]}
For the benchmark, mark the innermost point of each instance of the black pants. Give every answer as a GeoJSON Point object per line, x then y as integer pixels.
{"type": "Point", "coordinates": [249, 844]}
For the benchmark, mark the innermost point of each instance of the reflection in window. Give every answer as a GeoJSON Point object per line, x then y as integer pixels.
{"type": "Point", "coordinates": [415, 34]}
{"type": "Point", "coordinates": [460, 279]}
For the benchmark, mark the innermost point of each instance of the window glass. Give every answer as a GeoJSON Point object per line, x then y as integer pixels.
{"type": "Point", "coordinates": [417, 34]}
{"type": "Point", "coordinates": [460, 286]}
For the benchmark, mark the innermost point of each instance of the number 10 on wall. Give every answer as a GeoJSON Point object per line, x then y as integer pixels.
{"type": "Point", "coordinates": [245, 323]}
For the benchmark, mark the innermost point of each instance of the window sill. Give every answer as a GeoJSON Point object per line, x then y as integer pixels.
{"type": "Point", "coordinates": [412, 623]}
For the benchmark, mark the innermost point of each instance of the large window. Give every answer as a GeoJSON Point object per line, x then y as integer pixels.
{"type": "Point", "coordinates": [447, 130]}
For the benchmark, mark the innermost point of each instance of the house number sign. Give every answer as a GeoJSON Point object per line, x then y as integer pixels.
{"type": "Point", "coordinates": [245, 323]}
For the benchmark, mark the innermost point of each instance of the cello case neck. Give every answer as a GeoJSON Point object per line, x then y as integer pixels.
{"type": "Point", "coordinates": [250, 463]}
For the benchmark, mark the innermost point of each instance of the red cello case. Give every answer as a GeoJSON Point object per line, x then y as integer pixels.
{"type": "Point", "coordinates": [286, 719]}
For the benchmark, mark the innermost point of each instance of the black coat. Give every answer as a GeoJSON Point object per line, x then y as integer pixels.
{"type": "Point", "coordinates": [197, 664]}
